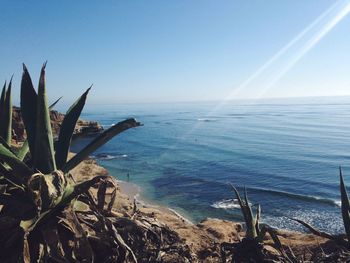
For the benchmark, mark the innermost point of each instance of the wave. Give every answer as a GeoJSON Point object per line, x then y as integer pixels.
{"type": "Point", "coordinates": [233, 203]}
{"type": "Point", "coordinates": [206, 119]}
{"type": "Point", "coordinates": [227, 204]}
{"type": "Point", "coordinates": [189, 182]}
{"type": "Point", "coordinates": [337, 202]}
{"type": "Point", "coordinates": [106, 126]}
{"type": "Point", "coordinates": [298, 196]}
{"type": "Point", "coordinates": [106, 157]}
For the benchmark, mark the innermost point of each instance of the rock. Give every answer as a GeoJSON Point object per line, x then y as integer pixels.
{"type": "Point", "coordinates": [83, 128]}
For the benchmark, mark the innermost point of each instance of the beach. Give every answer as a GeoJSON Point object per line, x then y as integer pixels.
{"type": "Point", "coordinates": [203, 238]}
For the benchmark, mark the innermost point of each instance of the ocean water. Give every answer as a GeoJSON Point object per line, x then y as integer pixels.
{"type": "Point", "coordinates": [286, 153]}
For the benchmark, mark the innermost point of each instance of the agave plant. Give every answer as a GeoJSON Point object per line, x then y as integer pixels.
{"type": "Point", "coordinates": [39, 199]}
{"type": "Point", "coordinates": [251, 247]}
{"type": "Point", "coordinates": [345, 211]}
{"type": "Point", "coordinates": [6, 113]}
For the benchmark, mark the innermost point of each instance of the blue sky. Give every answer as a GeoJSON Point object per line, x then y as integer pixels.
{"type": "Point", "coordinates": [165, 51]}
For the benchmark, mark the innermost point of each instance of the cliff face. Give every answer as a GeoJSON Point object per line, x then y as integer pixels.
{"type": "Point", "coordinates": [82, 127]}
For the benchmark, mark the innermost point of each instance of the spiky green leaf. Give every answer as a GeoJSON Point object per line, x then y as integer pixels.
{"type": "Point", "coordinates": [247, 213]}
{"type": "Point", "coordinates": [71, 192]}
{"type": "Point", "coordinates": [19, 170]}
{"type": "Point", "coordinates": [2, 111]}
{"type": "Point", "coordinates": [4, 143]}
{"type": "Point", "coordinates": [99, 141]}
{"type": "Point", "coordinates": [67, 129]}
{"type": "Point", "coordinates": [7, 121]}
{"type": "Point", "coordinates": [6, 173]}
{"type": "Point", "coordinates": [257, 219]}
{"type": "Point", "coordinates": [25, 147]}
{"type": "Point", "coordinates": [241, 203]}
{"type": "Point", "coordinates": [313, 230]}
{"type": "Point", "coordinates": [345, 205]}
{"type": "Point", "coordinates": [6, 113]}
{"type": "Point", "coordinates": [54, 104]}
{"type": "Point", "coordinates": [43, 160]}
{"type": "Point", "coordinates": [23, 151]}
{"type": "Point", "coordinates": [28, 108]}
{"type": "Point", "coordinates": [251, 225]}
{"type": "Point", "coordinates": [3, 94]}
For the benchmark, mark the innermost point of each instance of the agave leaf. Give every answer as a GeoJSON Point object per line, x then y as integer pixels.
{"type": "Point", "coordinates": [242, 205]}
{"type": "Point", "coordinates": [345, 206]}
{"type": "Point", "coordinates": [6, 173]}
{"type": "Point", "coordinates": [20, 170]}
{"type": "Point", "coordinates": [28, 108]}
{"type": "Point", "coordinates": [25, 147]}
{"type": "Point", "coordinates": [3, 188]}
{"type": "Point", "coordinates": [70, 192]}
{"type": "Point", "coordinates": [111, 202]}
{"type": "Point", "coordinates": [82, 248]}
{"type": "Point", "coordinates": [2, 111]}
{"type": "Point", "coordinates": [15, 200]}
{"type": "Point", "coordinates": [47, 188]}
{"type": "Point", "coordinates": [99, 141]}
{"type": "Point", "coordinates": [5, 170]}
{"type": "Point", "coordinates": [101, 195]}
{"type": "Point", "coordinates": [314, 230]}
{"type": "Point", "coordinates": [6, 122]}
{"type": "Point", "coordinates": [247, 213]}
{"type": "Point", "coordinates": [339, 240]}
{"type": "Point", "coordinates": [80, 206]}
{"type": "Point", "coordinates": [257, 219]}
{"type": "Point", "coordinates": [23, 151]}
{"type": "Point", "coordinates": [73, 191]}
{"type": "Point", "coordinates": [3, 94]}
{"type": "Point", "coordinates": [6, 113]}
{"type": "Point", "coordinates": [52, 241]}
{"type": "Point", "coordinates": [43, 159]}
{"type": "Point", "coordinates": [8, 106]}
{"type": "Point", "coordinates": [251, 230]}
{"type": "Point", "coordinates": [67, 129]}
{"type": "Point", "coordinates": [277, 243]}
{"type": "Point", "coordinates": [5, 144]}
{"type": "Point", "coordinates": [54, 104]}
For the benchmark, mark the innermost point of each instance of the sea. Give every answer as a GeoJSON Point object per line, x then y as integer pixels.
{"type": "Point", "coordinates": [285, 153]}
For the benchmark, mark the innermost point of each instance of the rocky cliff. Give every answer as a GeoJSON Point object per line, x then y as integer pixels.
{"type": "Point", "coordinates": [85, 128]}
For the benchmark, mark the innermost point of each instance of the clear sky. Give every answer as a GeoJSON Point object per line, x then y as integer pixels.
{"type": "Point", "coordinates": [178, 50]}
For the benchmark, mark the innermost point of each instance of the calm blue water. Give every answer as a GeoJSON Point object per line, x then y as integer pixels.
{"type": "Point", "coordinates": [286, 155]}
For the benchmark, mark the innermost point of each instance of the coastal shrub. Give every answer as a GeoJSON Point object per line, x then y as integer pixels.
{"type": "Point", "coordinates": [345, 211]}
{"type": "Point", "coordinates": [251, 247]}
{"type": "Point", "coordinates": [42, 208]}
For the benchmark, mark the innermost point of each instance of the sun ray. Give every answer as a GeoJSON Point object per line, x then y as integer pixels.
{"type": "Point", "coordinates": [314, 40]}
{"type": "Point", "coordinates": [341, 9]}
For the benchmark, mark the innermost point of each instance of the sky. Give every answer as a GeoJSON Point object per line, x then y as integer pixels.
{"type": "Point", "coordinates": [178, 50]}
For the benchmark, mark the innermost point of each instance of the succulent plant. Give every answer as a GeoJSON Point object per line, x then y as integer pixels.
{"type": "Point", "coordinates": [6, 113]}
{"type": "Point", "coordinates": [251, 221]}
{"type": "Point", "coordinates": [38, 196]}
{"type": "Point", "coordinates": [251, 247]}
{"type": "Point", "coordinates": [345, 211]}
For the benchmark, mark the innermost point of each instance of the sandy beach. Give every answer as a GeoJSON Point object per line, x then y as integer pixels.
{"type": "Point", "coordinates": [203, 238]}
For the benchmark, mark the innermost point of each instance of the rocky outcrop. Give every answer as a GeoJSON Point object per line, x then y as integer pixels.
{"type": "Point", "coordinates": [83, 128]}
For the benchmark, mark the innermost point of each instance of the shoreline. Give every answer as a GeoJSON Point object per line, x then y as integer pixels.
{"type": "Point", "coordinates": [203, 238]}
{"type": "Point", "coordinates": [133, 192]}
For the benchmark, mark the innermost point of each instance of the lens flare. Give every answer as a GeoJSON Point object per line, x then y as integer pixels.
{"type": "Point", "coordinates": [314, 40]}
{"type": "Point", "coordinates": [318, 29]}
